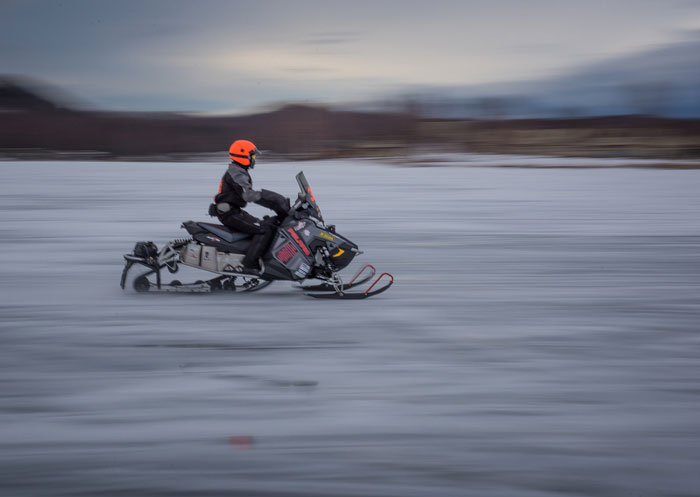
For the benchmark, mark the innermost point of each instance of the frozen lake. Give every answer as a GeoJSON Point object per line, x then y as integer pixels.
{"type": "Point", "coordinates": [542, 338]}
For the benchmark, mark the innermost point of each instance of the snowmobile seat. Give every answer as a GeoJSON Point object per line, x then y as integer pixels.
{"type": "Point", "coordinates": [216, 235]}
{"type": "Point", "coordinates": [224, 233]}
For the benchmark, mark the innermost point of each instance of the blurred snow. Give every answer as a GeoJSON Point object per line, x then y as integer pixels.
{"type": "Point", "coordinates": [541, 338]}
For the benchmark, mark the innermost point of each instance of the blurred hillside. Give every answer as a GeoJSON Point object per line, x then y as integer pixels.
{"type": "Point", "coordinates": [31, 122]}
{"type": "Point", "coordinates": [606, 136]}
{"type": "Point", "coordinates": [35, 123]}
{"type": "Point", "coordinates": [662, 81]}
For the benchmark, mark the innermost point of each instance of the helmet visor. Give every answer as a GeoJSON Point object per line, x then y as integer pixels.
{"type": "Point", "coordinates": [253, 155]}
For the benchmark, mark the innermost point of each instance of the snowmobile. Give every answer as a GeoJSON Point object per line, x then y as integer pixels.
{"type": "Point", "coordinates": [303, 248]}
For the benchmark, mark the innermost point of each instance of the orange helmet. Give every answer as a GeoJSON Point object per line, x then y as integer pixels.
{"type": "Point", "coordinates": [243, 152]}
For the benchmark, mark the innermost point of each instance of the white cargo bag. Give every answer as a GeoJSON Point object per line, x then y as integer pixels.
{"type": "Point", "coordinates": [208, 258]}
{"type": "Point", "coordinates": [192, 254]}
{"type": "Point", "coordinates": [227, 261]}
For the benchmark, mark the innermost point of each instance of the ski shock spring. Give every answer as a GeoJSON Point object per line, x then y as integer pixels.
{"type": "Point", "coordinates": [180, 242]}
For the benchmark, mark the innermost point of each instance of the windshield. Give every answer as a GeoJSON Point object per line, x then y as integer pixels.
{"type": "Point", "coordinates": [307, 195]}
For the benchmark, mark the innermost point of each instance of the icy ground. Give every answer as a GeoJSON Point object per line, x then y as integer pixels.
{"type": "Point", "coordinates": [542, 339]}
{"type": "Point", "coordinates": [460, 159]}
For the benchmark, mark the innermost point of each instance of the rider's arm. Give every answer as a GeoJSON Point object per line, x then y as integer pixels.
{"type": "Point", "coordinates": [274, 201]}
{"type": "Point", "coordinates": [240, 183]}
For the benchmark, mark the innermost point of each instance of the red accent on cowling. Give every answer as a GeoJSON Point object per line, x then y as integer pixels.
{"type": "Point", "coordinates": [299, 242]}
{"type": "Point", "coordinates": [286, 253]}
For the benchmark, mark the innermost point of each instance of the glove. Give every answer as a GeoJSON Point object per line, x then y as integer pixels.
{"type": "Point", "coordinates": [272, 220]}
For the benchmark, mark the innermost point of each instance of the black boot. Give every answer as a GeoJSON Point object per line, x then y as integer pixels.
{"type": "Point", "coordinates": [247, 270]}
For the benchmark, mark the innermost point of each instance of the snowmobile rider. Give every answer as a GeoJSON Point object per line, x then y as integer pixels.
{"type": "Point", "coordinates": [235, 191]}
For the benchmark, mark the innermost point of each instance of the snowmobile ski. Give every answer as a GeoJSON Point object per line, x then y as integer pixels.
{"type": "Point", "coordinates": [342, 295]}
{"type": "Point", "coordinates": [355, 281]}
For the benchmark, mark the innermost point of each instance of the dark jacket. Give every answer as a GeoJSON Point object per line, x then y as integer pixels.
{"type": "Point", "coordinates": [236, 190]}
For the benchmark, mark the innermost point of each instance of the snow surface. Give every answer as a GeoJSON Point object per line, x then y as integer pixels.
{"type": "Point", "coordinates": [541, 339]}
{"type": "Point", "coordinates": [460, 159]}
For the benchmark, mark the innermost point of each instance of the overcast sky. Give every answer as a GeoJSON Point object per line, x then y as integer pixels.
{"type": "Point", "coordinates": [236, 55]}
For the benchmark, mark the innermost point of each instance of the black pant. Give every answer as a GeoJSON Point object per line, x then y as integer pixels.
{"type": "Point", "coordinates": [240, 220]}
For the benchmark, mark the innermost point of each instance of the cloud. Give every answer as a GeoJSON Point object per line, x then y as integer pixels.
{"type": "Point", "coordinates": [332, 38]}
{"type": "Point", "coordinates": [310, 47]}
{"type": "Point", "coordinates": [306, 70]}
